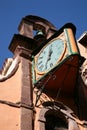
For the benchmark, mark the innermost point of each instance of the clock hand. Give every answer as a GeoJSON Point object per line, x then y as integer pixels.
{"type": "Point", "coordinates": [49, 55]}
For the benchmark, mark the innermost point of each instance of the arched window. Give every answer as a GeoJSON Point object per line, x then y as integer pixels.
{"type": "Point", "coordinates": [55, 122]}
{"type": "Point", "coordinates": [56, 117]}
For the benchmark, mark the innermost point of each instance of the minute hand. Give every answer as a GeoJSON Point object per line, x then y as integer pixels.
{"type": "Point", "coordinates": [49, 56]}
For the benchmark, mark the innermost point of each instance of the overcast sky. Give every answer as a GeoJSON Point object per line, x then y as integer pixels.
{"type": "Point", "coordinates": [58, 12]}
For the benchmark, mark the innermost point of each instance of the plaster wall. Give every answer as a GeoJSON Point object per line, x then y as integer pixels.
{"type": "Point", "coordinates": [10, 93]}
{"type": "Point", "coordinates": [83, 50]}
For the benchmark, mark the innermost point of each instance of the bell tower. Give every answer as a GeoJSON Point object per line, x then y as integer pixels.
{"type": "Point", "coordinates": [36, 28]}
{"type": "Point", "coordinates": [33, 32]}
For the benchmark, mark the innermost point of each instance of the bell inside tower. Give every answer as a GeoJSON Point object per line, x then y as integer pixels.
{"type": "Point", "coordinates": [39, 34]}
{"type": "Point", "coordinates": [36, 28]}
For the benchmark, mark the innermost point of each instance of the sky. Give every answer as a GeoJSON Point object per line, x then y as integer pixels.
{"type": "Point", "coordinates": [58, 12]}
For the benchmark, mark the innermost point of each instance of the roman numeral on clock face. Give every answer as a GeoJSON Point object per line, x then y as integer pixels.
{"type": "Point", "coordinates": [40, 63]}
{"type": "Point", "coordinates": [41, 67]}
{"type": "Point", "coordinates": [51, 64]}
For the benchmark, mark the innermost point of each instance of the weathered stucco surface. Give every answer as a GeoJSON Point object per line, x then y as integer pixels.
{"type": "Point", "coordinates": [10, 92]}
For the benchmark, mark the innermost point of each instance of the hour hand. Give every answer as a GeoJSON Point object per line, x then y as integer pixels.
{"type": "Point", "coordinates": [50, 51]}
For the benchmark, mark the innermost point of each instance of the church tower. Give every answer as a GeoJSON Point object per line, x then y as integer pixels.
{"type": "Point", "coordinates": [38, 85]}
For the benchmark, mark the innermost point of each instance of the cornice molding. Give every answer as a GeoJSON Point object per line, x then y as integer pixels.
{"type": "Point", "coordinates": [9, 68]}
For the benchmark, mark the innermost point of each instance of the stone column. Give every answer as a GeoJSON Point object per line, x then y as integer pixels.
{"type": "Point", "coordinates": [23, 47]}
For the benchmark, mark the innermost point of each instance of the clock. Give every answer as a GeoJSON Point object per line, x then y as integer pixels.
{"type": "Point", "coordinates": [50, 55]}
{"type": "Point", "coordinates": [55, 64]}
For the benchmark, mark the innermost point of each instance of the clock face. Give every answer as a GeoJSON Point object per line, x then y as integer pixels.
{"type": "Point", "coordinates": [50, 55]}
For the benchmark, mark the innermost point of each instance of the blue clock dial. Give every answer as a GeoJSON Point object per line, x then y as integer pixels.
{"type": "Point", "coordinates": [50, 55]}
